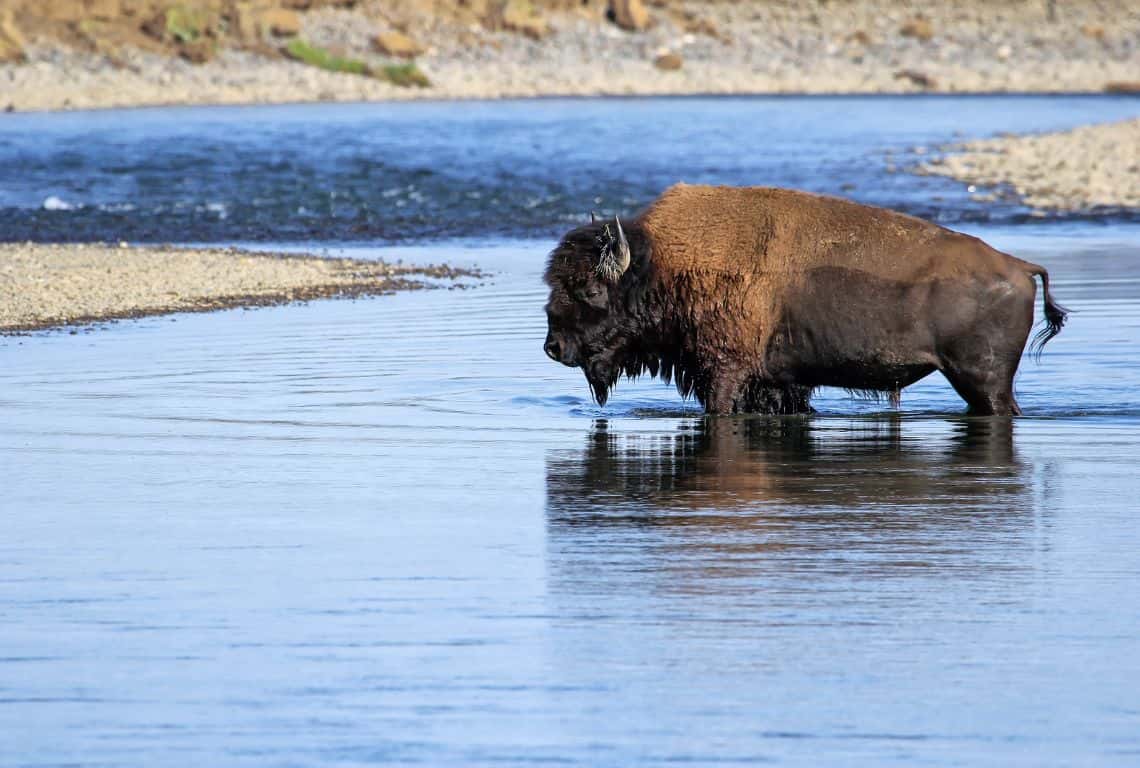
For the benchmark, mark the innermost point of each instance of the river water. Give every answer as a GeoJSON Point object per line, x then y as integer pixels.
{"type": "Point", "coordinates": [390, 531]}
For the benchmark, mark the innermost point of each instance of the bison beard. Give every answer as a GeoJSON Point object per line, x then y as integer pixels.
{"type": "Point", "coordinates": [750, 298]}
{"type": "Point", "coordinates": [601, 380]}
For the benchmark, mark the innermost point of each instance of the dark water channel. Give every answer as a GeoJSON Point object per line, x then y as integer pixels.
{"type": "Point", "coordinates": [391, 531]}
{"type": "Point", "coordinates": [403, 173]}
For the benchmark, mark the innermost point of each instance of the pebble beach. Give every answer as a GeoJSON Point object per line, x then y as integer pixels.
{"type": "Point", "coordinates": [866, 46]}
{"type": "Point", "coordinates": [1091, 167]}
{"type": "Point", "coordinates": [44, 286]}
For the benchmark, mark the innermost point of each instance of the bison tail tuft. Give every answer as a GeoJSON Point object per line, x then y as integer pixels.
{"type": "Point", "coordinates": [1055, 316]}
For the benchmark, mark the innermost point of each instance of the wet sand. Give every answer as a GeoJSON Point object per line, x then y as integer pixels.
{"type": "Point", "coordinates": [1087, 168]}
{"type": "Point", "coordinates": [44, 286]}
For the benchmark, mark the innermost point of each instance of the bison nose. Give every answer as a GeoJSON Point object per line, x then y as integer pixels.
{"type": "Point", "coordinates": [553, 350]}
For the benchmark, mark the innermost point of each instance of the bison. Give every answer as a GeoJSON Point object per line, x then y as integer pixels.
{"type": "Point", "coordinates": [750, 298]}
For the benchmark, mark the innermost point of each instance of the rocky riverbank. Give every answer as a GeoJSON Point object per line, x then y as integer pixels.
{"type": "Point", "coordinates": [1083, 170]}
{"type": "Point", "coordinates": [253, 51]}
{"type": "Point", "coordinates": [44, 286]}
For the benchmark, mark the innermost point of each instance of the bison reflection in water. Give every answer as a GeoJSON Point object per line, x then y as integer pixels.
{"type": "Point", "coordinates": [742, 495]}
{"type": "Point", "coordinates": [749, 298]}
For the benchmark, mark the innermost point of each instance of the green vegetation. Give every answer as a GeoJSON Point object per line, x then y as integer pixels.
{"type": "Point", "coordinates": [185, 24]}
{"type": "Point", "coordinates": [404, 75]}
{"type": "Point", "coordinates": [319, 57]}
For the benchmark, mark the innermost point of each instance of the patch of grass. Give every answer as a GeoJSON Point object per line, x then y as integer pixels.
{"type": "Point", "coordinates": [316, 56]}
{"type": "Point", "coordinates": [185, 24]}
{"type": "Point", "coordinates": [404, 75]}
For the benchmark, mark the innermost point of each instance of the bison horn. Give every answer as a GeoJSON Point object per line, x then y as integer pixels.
{"type": "Point", "coordinates": [593, 218]}
{"type": "Point", "coordinates": [623, 247]}
{"type": "Point", "coordinates": [614, 259]}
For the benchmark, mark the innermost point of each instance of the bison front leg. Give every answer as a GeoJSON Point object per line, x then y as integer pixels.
{"type": "Point", "coordinates": [765, 397]}
{"type": "Point", "coordinates": [724, 392]}
{"type": "Point", "coordinates": [740, 393]}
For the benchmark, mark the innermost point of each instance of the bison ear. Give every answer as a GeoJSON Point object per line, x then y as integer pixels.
{"type": "Point", "coordinates": [614, 258]}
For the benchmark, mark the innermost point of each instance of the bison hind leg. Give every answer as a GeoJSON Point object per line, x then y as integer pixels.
{"type": "Point", "coordinates": [987, 393]}
{"type": "Point", "coordinates": [981, 361]}
{"type": "Point", "coordinates": [983, 377]}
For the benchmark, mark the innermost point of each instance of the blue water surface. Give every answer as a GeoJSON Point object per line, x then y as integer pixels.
{"type": "Point", "coordinates": [402, 173]}
{"type": "Point", "coordinates": [389, 531]}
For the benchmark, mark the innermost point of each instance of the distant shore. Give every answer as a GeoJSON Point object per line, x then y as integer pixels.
{"type": "Point", "coordinates": [666, 47]}
{"type": "Point", "coordinates": [1088, 168]}
{"type": "Point", "coordinates": [47, 286]}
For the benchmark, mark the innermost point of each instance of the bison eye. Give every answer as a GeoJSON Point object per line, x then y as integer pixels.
{"type": "Point", "coordinates": [593, 295]}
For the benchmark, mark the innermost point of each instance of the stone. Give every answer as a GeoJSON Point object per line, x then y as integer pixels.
{"type": "Point", "coordinates": [630, 15]}
{"type": "Point", "coordinates": [245, 19]}
{"type": "Point", "coordinates": [105, 10]}
{"type": "Point", "coordinates": [477, 8]}
{"type": "Point", "coordinates": [11, 41]}
{"type": "Point", "coordinates": [135, 7]}
{"type": "Point", "coordinates": [198, 51]}
{"type": "Point", "coordinates": [397, 44]}
{"type": "Point", "coordinates": [669, 62]}
{"type": "Point", "coordinates": [1093, 31]}
{"type": "Point", "coordinates": [699, 25]}
{"type": "Point", "coordinates": [68, 11]}
{"type": "Point", "coordinates": [921, 79]}
{"type": "Point", "coordinates": [282, 22]}
{"type": "Point", "coordinates": [520, 16]}
{"type": "Point", "coordinates": [1123, 86]}
{"type": "Point", "coordinates": [534, 28]}
{"type": "Point", "coordinates": [918, 28]}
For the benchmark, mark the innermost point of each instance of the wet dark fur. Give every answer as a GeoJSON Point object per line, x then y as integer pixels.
{"type": "Point", "coordinates": [647, 323]}
{"type": "Point", "coordinates": [751, 310]}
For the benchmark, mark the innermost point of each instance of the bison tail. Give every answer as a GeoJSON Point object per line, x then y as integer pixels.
{"type": "Point", "coordinates": [1055, 316]}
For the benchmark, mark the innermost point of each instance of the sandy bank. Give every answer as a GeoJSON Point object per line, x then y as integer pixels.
{"type": "Point", "coordinates": [42, 286]}
{"type": "Point", "coordinates": [1088, 168]}
{"type": "Point", "coordinates": [863, 46]}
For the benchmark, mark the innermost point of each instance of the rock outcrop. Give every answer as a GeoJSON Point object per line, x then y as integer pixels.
{"type": "Point", "coordinates": [669, 61]}
{"type": "Point", "coordinates": [394, 43]}
{"type": "Point", "coordinates": [630, 15]}
{"type": "Point", "coordinates": [11, 41]}
{"type": "Point", "coordinates": [919, 28]}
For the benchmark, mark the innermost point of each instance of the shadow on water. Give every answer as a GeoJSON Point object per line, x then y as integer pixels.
{"type": "Point", "coordinates": [714, 463]}
{"type": "Point", "coordinates": [760, 496]}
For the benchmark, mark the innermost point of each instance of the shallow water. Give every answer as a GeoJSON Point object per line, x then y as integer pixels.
{"type": "Point", "coordinates": [391, 531]}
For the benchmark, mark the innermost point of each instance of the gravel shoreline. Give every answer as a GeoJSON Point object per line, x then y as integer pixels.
{"type": "Point", "coordinates": [863, 46]}
{"type": "Point", "coordinates": [48, 286]}
{"type": "Point", "coordinates": [1084, 170]}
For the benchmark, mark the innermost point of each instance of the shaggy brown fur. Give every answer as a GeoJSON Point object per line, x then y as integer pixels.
{"type": "Point", "coordinates": [749, 298]}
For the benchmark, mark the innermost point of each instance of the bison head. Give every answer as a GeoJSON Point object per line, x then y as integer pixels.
{"type": "Point", "coordinates": [593, 319]}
